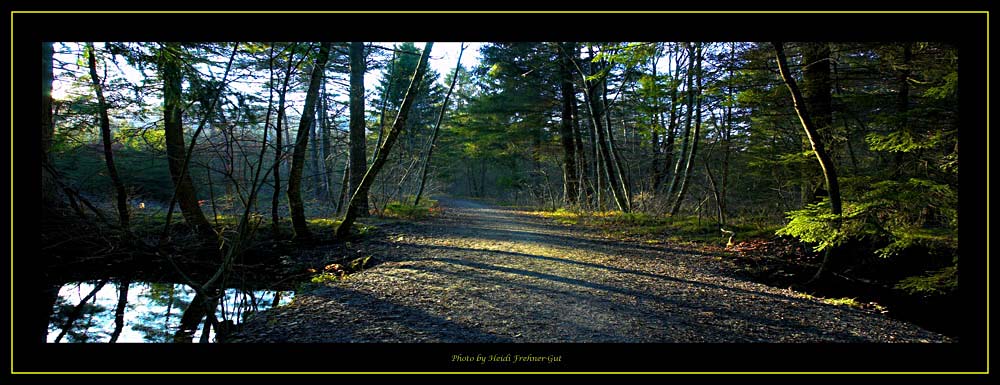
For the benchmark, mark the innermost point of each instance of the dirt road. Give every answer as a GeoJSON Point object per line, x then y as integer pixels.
{"type": "Point", "coordinates": [478, 273]}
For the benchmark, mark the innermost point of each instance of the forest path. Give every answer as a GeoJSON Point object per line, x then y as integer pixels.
{"type": "Point", "coordinates": [479, 273]}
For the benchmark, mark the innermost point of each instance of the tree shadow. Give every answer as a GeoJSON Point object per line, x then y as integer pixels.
{"type": "Point", "coordinates": [677, 319]}
{"type": "Point", "coordinates": [371, 320]}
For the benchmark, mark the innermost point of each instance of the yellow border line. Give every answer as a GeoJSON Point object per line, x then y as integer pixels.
{"type": "Point", "coordinates": [737, 373]}
{"type": "Point", "coordinates": [987, 13]}
{"type": "Point", "coordinates": [987, 192]}
{"type": "Point", "coordinates": [507, 12]}
{"type": "Point", "coordinates": [12, 191]}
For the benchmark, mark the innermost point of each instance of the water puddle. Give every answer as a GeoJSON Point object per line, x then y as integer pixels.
{"type": "Point", "coordinates": [152, 311]}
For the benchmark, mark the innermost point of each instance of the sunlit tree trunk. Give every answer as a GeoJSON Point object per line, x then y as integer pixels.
{"type": "Point", "coordinates": [295, 205]}
{"type": "Point", "coordinates": [686, 139]}
{"type": "Point", "coordinates": [816, 94]}
{"type": "Point", "coordinates": [668, 156]}
{"type": "Point", "coordinates": [622, 180]}
{"type": "Point", "coordinates": [173, 132]}
{"type": "Point", "coordinates": [437, 127]}
{"type": "Point", "coordinates": [597, 112]}
{"type": "Point", "coordinates": [689, 165]}
{"type": "Point", "coordinates": [353, 208]}
{"type": "Point", "coordinates": [829, 171]}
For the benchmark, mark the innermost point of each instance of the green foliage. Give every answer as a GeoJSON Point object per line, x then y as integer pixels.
{"type": "Point", "coordinates": [325, 278]}
{"type": "Point", "coordinates": [135, 139]}
{"type": "Point", "coordinates": [813, 224]}
{"type": "Point", "coordinates": [938, 282]}
{"type": "Point", "coordinates": [917, 212]}
{"type": "Point", "coordinates": [323, 224]}
{"type": "Point", "coordinates": [904, 141]}
{"type": "Point", "coordinates": [948, 88]}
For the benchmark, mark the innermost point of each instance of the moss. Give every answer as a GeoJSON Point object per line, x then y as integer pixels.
{"type": "Point", "coordinates": [403, 210]}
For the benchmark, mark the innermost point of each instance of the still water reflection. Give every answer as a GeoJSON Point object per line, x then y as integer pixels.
{"type": "Point", "coordinates": [152, 311]}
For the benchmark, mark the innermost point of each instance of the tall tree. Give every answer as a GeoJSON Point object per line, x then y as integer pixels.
{"type": "Point", "coordinates": [673, 122]}
{"type": "Point", "coordinates": [50, 189]}
{"type": "Point", "coordinates": [829, 171]}
{"type": "Point", "coordinates": [686, 136]}
{"type": "Point", "coordinates": [819, 102]}
{"type": "Point", "coordinates": [596, 107]}
{"type": "Point", "coordinates": [437, 127]}
{"type": "Point", "coordinates": [327, 146]}
{"type": "Point", "coordinates": [357, 123]}
{"type": "Point", "coordinates": [314, 138]}
{"type": "Point", "coordinates": [689, 165]}
{"type": "Point", "coordinates": [903, 100]}
{"type": "Point", "coordinates": [295, 205]}
{"type": "Point", "coordinates": [344, 229]}
{"type": "Point", "coordinates": [121, 196]}
{"type": "Point", "coordinates": [173, 132]}
{"type": "Point", "coordinates": [50, 195]}
{"type": "Point", "coordinates": [571, 179]}
{"type": "Point", "coordinates": [278, 146]}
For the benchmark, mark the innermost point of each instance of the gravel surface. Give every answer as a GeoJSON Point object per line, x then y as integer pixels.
{"type": "Point", "coordinates": [478, 273]}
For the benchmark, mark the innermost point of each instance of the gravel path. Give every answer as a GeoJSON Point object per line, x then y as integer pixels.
{"type": "Point", "coordinates": [485, 274]}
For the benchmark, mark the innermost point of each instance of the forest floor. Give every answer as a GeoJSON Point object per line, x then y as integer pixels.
{"type": "Point", "coordinates": [480, 273]}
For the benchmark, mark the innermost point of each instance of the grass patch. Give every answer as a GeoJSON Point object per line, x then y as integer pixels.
{"type": "Point", "coordinates": [844, 301]}
{"type": "Point", "coordinates": [561, 216]}
{"type": "Point", "coordinates": [402, 210]}
{"type": "Point", "coordinates": [323, 224]}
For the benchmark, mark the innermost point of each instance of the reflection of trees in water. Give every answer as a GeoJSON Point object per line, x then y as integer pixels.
{"type": "Point", "coordinates": [155, 311]}
{"type": "Point", "coordinates": [80, 328]}
{"type": "Point", "coordinates": [154, 325]}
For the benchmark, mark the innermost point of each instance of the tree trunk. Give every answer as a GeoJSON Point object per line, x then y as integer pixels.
{"type": "Point", "coordinates": [685, 142]}
{"type": "Point", "coordinates": [360, 195]}
{"type": "Point", "coordinates": [829, 171]}
{"type": "Point", "coordinates": [327, 145]}
{"type": "Point", "coordinates": [278, 144]}
{"type": "Point", "coordinates": [816, 94]}
{"type": "Point", "coordinates": [654, 126]}
{"type": "Point", "coordinates": [342, 196]}
{"type": "Point", "coordinates": [358, 146]}
{"type": "Point", "coordinates": [668, 156]}
{"type": "Point", "coordinates": [385, 103]}
{"type": "Point", "coordinates": [583, 171]}
{"type": "Point", "coordinates": [121, 196]}
{"type": "Point", "coordinates": [173, 133]}
{"type": "Point", "coordinates": [903, 102]}
{"type": "Point", "coordinates": [120, 310]}
{"type": "Point", "coordinates": [623, 179]}
{"type": "Point", "coordinates": [316, 174]}
{"type": "Point", "coordinates": [295, 206]}
{"type": "Point", "coordinates": [50, 188]}
{"type": "Point", "coordinates": [437, 126]}
{"type": "Point", "coordinates": [689, 165]}
{"type": "Point", "coordinates": [596, 118]}
{"type": "Point", "coordinates": [570, 177]}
